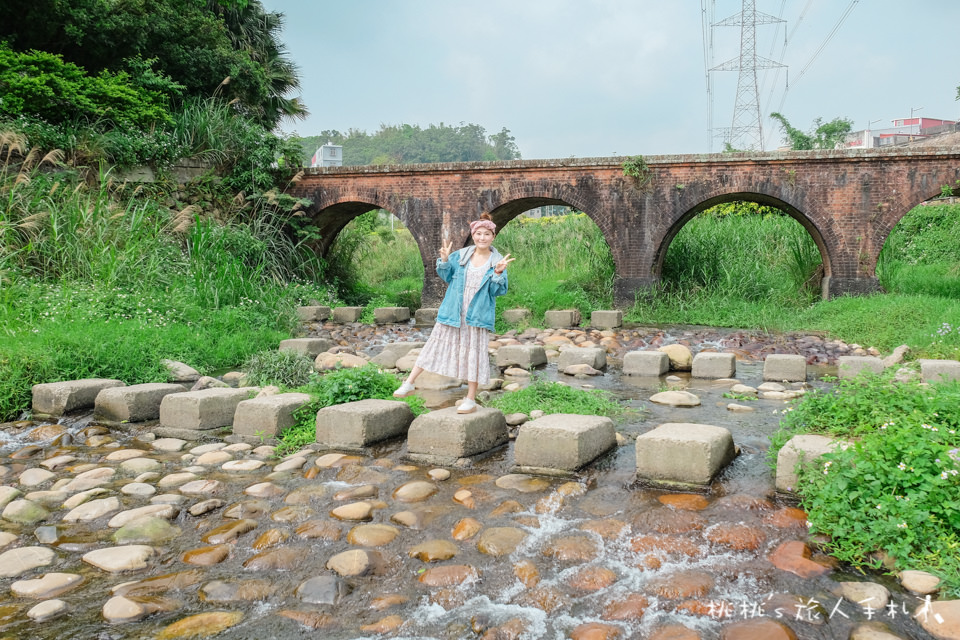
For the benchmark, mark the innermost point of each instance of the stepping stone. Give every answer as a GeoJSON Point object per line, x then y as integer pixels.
{"type": "Point", "coordinates": [444, 436]}
{"type": "Point", "coordinates": [939, 370]}
{"type": "Point", "coordinates": [851, 366]}
{"type": "Point", "coordinates": [391, 315]}
{"type": "Point", "coordinates": [261, 419]}
{"type": "Point", "coordinates": [346, 315]}
{"type": "Point", "coordinates": [606, 319]}
{"type": "Point", "coordinates": [516, 316]}
{"type": "Point", "coordinates": [561, 318]}
{"type": "Point", "coordinates": [426, 316]}
{"type": "Point", "coordinates": [355, 425]}
{"type": "Point", "coordinates": [683, 454]}
{"type": "Point", "coordinates": [202, 410]}
{"type": "Point", "coordinates": [785, 367]}
{"type": "Point", "coordinates": [526, 356]}
{"type": "Point", "coordinates": [135, 403]}
{"type": "Point", "coordinates": [562, 443]}
{"type": "Point", "coordinates": [310, 347]}
{"type": "Point", "coordinates": [313, 313]}
{"type": "Point", "coordinates": [592, 356]}
{"type": "Point", "coordinates": [714, 365]}
{"type": "Point", "coordinates": [58, 398]}
{"type": "Point", "coordinates": [806, 448]}
{"type": "Point", "coordinates": [651, 364]}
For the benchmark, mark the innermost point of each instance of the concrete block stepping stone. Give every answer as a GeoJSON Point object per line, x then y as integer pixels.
{"type": "Point", "coordinates": [785, 367]}
{"type": "Point", "coordinates": [646, 363]}
{"type": "Point", "coordinates": [355, 425]}
{"type": "Point", "coordinates": [313, 313]}
{"type": "Point", "coordinates": [560, 443]}
{"type": "Point", "coordinates": [444, 437]}
{"type": "Point", "coordinates": [192, 412]}
{"type": "Point", "coordinates": [426, 316]}
{"type": "Point", "coordinates": [802, 449]}
{"type": "Point", "coordinates": [393, 352]}
{"type": "Point", "coordinates": [939, 370]}
{"type": "Point", "coordinates": [593, 356]}
{"type": "Point", "coordinates": [851, 366]}
{"type": "Point", "coordinates": [606, 319]}
{"type": "Point", "coordinates": [310, 347]}
{"type": "Point", "coordinates": [562, 318]}
{"type": "Point", "coordinates": [58, 398]}
{"type": "Point", "coordinates": [707, 364]}
{"type": "Point", "coordinates": [136, 403]}
{"type": "Point", "coordinates": [521, 355]}
{"type": "Point", "coordinates": [260, 419]}
{"type": "Point", "coordinates": [684, 455]}
{"type": "Point", "coordinates": [345, 315]}
{"type": "Point", "coordinates": [516, 316]}
{"type": "Point", "coordinates": [391, 315]}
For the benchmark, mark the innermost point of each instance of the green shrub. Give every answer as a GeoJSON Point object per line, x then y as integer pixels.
{"type": "Point", "coordinates": [897, 489]}
{"type": "Point", "coordinates": [552, 397]}
{"type": "Point", "coordinates": [337, 387]}
{"type": "Point", "coordinates": [282, 368]}
{"type": "Point", "coordinates": [41, 85]}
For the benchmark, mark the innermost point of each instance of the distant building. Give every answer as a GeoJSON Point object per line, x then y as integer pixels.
{"type": "Point", "coordinates": [903, 131]}
{"type": "Point", "coordinates": [329, 155]}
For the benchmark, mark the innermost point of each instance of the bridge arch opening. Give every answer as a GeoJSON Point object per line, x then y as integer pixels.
{"type": "Point", "coordinates": [563, 260]}
{"type": "Point", "coordinates": [921, 254]}
{"type": "Point", "coordinates": [743, 246]}
{"type": "Point", "coordinates": [372, 257]}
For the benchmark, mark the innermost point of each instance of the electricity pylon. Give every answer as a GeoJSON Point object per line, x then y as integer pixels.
{"type": "Point", "coordinates": [746, 130]}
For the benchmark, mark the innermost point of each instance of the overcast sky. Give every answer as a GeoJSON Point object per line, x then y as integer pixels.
{"type": "Point", "coordinates": [591, 78]}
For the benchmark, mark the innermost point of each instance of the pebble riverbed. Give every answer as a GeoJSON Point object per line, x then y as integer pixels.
{"type": "Point", "coordinates": [121, 534]}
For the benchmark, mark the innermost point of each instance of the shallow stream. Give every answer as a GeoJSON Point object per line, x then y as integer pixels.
{"type": "Point", "coordinates": [591, 549]}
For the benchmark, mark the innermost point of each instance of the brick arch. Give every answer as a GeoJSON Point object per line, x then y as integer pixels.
{"type": "Point", "coordinates": [811, 227]}
{"type": "Point", "coordinates": [331, 217]}
{"type": "Point", "coordinates": [506, 204]}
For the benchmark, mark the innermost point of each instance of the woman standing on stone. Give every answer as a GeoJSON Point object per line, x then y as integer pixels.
{"type": "Point", "coordinates": [457, 347]}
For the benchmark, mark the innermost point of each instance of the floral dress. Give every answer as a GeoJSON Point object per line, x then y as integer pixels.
{"type": "Point", "coordinates": [460, 352]}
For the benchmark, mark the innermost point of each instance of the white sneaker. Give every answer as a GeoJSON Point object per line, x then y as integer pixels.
{"type": "Point", "coordinates": [467, 406]}
{"type": "Point", "coordinates": [405, 390]}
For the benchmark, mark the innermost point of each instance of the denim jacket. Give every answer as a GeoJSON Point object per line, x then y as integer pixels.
{"type": "Point", "coordinates": [482, 308]}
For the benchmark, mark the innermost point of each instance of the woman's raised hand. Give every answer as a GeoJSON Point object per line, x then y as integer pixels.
{"type": "Point", "coordinates": [502, 265]}
{"type": "Point", "coordinates": [445, 250]}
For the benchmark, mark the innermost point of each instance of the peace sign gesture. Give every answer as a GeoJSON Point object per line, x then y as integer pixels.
{"type": "Point", "coordinates": [445, 250]}
{"type": "Point", "coordinates": [502, 265]}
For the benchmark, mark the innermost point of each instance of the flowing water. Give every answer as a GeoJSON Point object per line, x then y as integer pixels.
{"type": "Point", "coordinates": [592, 548]}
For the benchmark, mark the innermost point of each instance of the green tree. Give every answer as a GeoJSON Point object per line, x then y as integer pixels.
{"type": "Point", "coordinates": [230, 48]}
{"type": "Point", "coordinates": [406, 144]}
{"type": "Point", "coordinates": [822, 135]}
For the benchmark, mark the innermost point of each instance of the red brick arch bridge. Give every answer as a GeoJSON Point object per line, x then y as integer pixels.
{"type": "Point", "coordinates": [848, 201]}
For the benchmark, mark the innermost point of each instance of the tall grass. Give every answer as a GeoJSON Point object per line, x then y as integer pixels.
{"type": "Point", "coordinates": [101, 279]}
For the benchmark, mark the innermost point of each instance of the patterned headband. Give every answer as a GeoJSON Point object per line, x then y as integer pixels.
{"type": "Point", "coordinates": [482, 224]}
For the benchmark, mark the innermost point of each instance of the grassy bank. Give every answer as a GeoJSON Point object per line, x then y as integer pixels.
{"type": "Point", "coordinates": [101, 279]}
